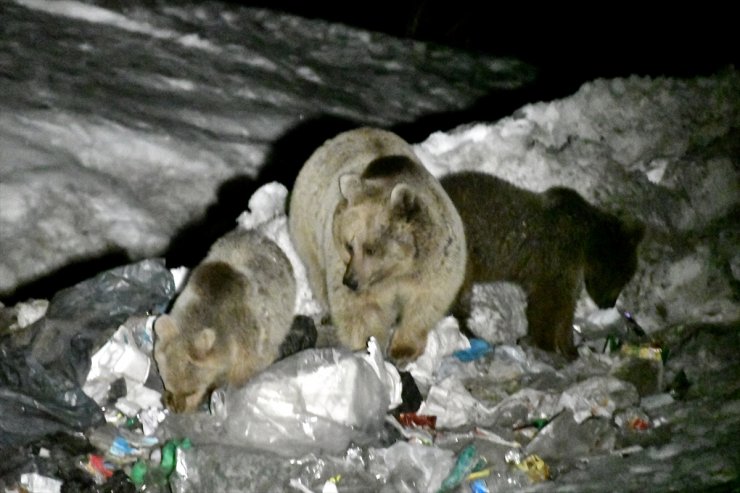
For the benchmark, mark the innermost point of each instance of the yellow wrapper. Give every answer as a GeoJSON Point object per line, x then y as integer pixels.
{"type": "Point", "coordinates": [535, 468]}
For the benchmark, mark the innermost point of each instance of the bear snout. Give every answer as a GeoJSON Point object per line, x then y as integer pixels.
{"type": "Point", "coordinates": [350, 280]}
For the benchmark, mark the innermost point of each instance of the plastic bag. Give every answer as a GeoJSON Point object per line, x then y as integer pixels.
{"type": "Point", "coordinates": [316, 400]}
{"type": "Point", "coordinates": [43, 366]}
{"type": "Point", "coordinates": [78, 317]}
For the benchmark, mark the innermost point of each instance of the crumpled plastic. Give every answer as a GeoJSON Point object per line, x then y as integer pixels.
{"type": "Point", "coordinates": [409, 466]}
{"type": "Point", "coordinates": [43, 366]}
{"type": "Point", "coordinates": [317, 400]}
{"type": "Point", "coordinates": [442, 341]}
{"type": "Point", "coordinates": [598, 396]}
{"type": "Point", "coordinates": [78, 317]}
{"type": "Point", "coordinates": [35, 402]}
{"type": "Point", "coordinates": [498, 312]}
{"type": "Point", "coordinates": [127, 355]}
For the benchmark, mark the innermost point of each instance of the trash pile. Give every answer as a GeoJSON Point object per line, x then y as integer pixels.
{"type": "Point", "coordinates": [80, 400]}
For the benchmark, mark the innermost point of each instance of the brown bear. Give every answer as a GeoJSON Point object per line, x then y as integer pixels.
{"type": "Point", "coordinates": [383, 246]}
{"type": "Point", "coordinates": [229, 321]}
{"type": "Point", "coordinates": [550, 243]}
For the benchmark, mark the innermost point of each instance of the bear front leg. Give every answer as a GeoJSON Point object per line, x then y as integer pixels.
{"type": "Point", "coordinates": [357, 320]}
{"type": "Point", "coordinates": [418, 318]}
{"type": "Point", "coordinates": [550, 308]}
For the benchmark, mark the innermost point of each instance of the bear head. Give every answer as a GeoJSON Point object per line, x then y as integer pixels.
{"type": "Point", "coordinates": [374, 230]}
{"type": "Point", "coordinates": [611, 258]}
{"type": "Point", "coordinates": [190, 367]}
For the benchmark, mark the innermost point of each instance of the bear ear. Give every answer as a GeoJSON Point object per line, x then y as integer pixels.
{"type": "Point", "coordinates": [350, 186]}
{"type": "Point", "coordinates": [203, 343]}
{"type": "Point", "coordinates": [404, 202]}
{"type": "Point", "coordinates": [165, 328]}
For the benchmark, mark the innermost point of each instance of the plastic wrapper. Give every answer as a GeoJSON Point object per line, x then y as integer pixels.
{"type": "Point", "coordinates": [525, 407]}
{"type": "Point", "coordinates": [467, 462]}
{"type": "Point", "coordinates": [453, 405]}
{"type": "Point", "coordinates": [537, 469]}
{"type": "Point", "coordinates": [36, 483]}
{"type": "Point", "coordinates": [411, 467]}
{"type": "Point", "coordinates": [598, 396]}
{"type": "Point", "coordinates": [127, 356]}
{"type": "Point", "coordinates": [316, 400]}
{"type": "Point", "coordinates": [498, 312]}
{"type": "Point", "coordinates": [442, 341]}
{"type": "Point", "coordinates": [217, 467]}
{"type": "Point", "coordinates": [78, 317]}
{"type": "Point", "coordinates": [563, 439]}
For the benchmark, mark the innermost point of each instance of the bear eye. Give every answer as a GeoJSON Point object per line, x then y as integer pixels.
{"type": "Point", "coordinates": [348, 246]}
{"type": "Point", "coordinates": [369, 251]}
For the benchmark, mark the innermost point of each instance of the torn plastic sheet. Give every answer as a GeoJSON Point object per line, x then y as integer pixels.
{"type": "Point", "coordinates": [315, 400]}
{"type": "Point", "coordinates": [35, 402]}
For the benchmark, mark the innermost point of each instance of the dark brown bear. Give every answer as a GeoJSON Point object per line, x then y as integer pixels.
{"type": "Point", "coordinates": [548, 243]}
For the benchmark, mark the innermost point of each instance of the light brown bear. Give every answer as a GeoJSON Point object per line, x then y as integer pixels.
{"type": "Point", "coordinates": [228, 322]}
{"type": "Point", "coordinates": [382, 243]}
{"type": "Point", "coordinates": [550, 243]}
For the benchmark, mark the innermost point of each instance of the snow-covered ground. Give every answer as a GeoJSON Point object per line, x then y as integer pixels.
{"type": "Point", "coordinates": [120, 128]}
{"type": "Point", "coordinates": [143, 132]}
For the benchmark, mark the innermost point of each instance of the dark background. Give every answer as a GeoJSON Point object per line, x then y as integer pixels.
{"type": "Point", "coordinates": [568, 44]}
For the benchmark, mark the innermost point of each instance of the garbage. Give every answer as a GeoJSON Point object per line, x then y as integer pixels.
{"type": "Point", "coordinates": [442, 341]}
{"type": "Point", "coordinates": [453, 405]}
{"type": "Point", "coordinates": [656, 401]}
{"type": "Point", "coordinates": [78, 317]}
{"type": "Point", "coordinates": [408, 467]}
{"type": "Point", "coordinates": [498, 312]}
{"type": "Point", "coordinates": [643, 351]}
{"type": "Point", "coordinates": [316, 400]}
{"type": "Point", "coordinates": [154, 474]}
{"type": "Point", "coordinates": [478, 348]}
{"type": "Point", "coordinates": [121, 446]}
{"type": "Point", "coordinates": [127, 356]}
{"type": "Point", "coordinates": [223, 467]}
{"type": "Point", "coordinates": [36, 483]}
{"type": "Point", "coordinates": [30, 311]}
{"type": "Point", "coordinates": [532, 464]}
{"type": "Point", "coordinates": [467, 462]}
{"type": "Point", "coordinates": [35, 402]}
{"type": "Point", "coordinates": [565, 439]}
{"type": "Point", "coordinates": [646, 374]}
{"type": "Point", "coordinates": [482, 419]}
{"type": "Point", "coordinates": [633, 419]}
{"type": "Point", "coordinates": [418, 420]}
{"type": "Point", "coordinates": [598, 396]}
{"type": "Point", "coordinates": [97, 467]}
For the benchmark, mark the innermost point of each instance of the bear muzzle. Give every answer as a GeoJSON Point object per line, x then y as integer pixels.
{"type": "Point", "coordinates": [350, 280]}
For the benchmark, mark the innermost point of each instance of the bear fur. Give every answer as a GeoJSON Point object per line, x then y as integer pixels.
{"type": "Point", "coordinates": [550, 243]}
{"type": "Point", "coordinates": [383, 245]}
{"type": "Point", "coordinates": [228, 322]}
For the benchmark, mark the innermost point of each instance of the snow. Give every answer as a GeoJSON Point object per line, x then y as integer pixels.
{"type": "Point", "coordinates": [120, 129]}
